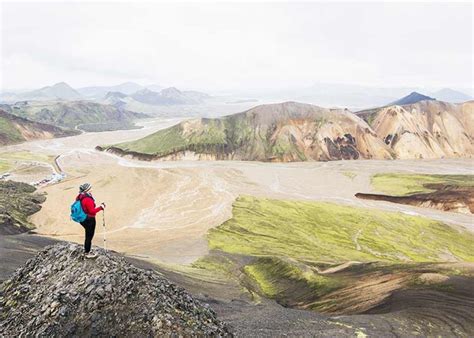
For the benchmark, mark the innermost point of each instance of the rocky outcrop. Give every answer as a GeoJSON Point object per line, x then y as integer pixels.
{"type": "Point", "coordinates": [444, 197]}
{"type": "Point", "coordinates": [17, 202]}
{"type": "Point", "coordinates": [58, 293]}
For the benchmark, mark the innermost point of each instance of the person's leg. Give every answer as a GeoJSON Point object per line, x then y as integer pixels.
{"type": "Point", "coordinates": [84, 225]}
{"type": "Point", "coordinates": [90, 229]}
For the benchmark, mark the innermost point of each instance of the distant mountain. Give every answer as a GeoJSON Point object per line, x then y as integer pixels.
{"type": "Point", "coordinates": [425, 129]}
{"type": "Point", "coordinates": [154, 87]}
{"type": "Point", "coordinates": [150, 97]}
{"type": "Point", "coordinates": [413, 97]}
{"type": "Point", "coordinates": [283, 132]}
{"type": "Point", "coordinates": [15, 129]}
{"type": "Point", "coordinates": [98, 92]}
{"type": "Point", "coordinates": [451, 95]}
{"type": "Point", "coordinates": [116, 99]}
{"type": "Point", "coordinates": [58, 91]}
{"type": "Point", "coordinates": [169, 96]}
{"type": "Point", "coordinates": [75, 113]}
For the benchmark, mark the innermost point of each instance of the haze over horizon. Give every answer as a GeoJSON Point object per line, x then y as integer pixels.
{"type": "Point", "coordinates": [208, 46]}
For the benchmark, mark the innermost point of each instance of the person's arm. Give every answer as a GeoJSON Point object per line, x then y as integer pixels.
{"type": "Point", "coordinates": [89, 207]}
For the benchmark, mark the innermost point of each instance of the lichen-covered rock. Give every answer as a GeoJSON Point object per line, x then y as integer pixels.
{"type": "Point", "coordinates": [59, 293]}
{"type": "Point", "coordinates": [17, 202]}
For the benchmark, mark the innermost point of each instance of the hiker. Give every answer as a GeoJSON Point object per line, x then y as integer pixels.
{"type": "Point", "coordinates": [89, 208]}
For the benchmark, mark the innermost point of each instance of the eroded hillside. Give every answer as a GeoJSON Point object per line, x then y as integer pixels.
{"type": "Point", "coordinates": [15, 129]}
{"type": "Point", "coordinates": [276, 132]}
{"type": "Point", "coordinates": [425, 129]}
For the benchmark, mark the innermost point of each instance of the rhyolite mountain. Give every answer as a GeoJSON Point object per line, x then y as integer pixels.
{"type": "Point", "coordinates": [71, 114]}
{"type": "Point", "coordinates": [284, 132]}
{"type": "Point", "coordinates": [15, 129]}
{"type": "Point", "coordinates": [425, 129]}
{"type": "Point", "coordinates": [411, 98]}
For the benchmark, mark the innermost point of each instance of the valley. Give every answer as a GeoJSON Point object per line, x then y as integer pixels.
{"type": "Point", "coordinates": [194, 222]}
{"type": "Point", "coordinates": [227, 169]}
{"type": "Point", "coordinates": [171, 205]}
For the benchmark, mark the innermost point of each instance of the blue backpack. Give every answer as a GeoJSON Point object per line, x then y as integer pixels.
{"type": "Point", "coordinates": [77, 214]}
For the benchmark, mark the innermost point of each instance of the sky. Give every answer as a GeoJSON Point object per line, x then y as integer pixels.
{"type": "Point", "coordinates": [234, 46]}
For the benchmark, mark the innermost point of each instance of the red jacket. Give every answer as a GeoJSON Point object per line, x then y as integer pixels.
{"type": "Point", "coordinates": [88, 204]}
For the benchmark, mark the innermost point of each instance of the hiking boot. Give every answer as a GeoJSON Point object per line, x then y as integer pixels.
{"type": "Point", "coordinates": [90, 255]}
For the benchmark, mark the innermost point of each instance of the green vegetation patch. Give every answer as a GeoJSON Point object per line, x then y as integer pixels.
{"type": "Point", "coordinates": [162, 142]}
{"type": "Point", "coordinates": [208, 136]}
{"type": "Point", "coordinates": [8, 133]}
{"type": "Point", "coordinates": [331, 233]}
{"type": "Point", "coordinates": [26, 156]}
{"type": "Point", "coordinates": [17, 202]}
{"type": "Point", "coordinates": [350, 174]}
{"type": "Point", "coordinates": [292, 280]}
{"type": "Point", "coordinates": [398, 184]}
{"type": "Point", "coordinates": [4, 166]}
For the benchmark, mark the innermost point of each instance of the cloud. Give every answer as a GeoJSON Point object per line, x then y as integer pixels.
{"type": "Point", "coordinates": [234, 46]}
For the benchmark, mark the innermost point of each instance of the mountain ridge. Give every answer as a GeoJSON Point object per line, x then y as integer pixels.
{"type": "Point", "coordinates": [16, 129]}
{"type": "Point", "coordinates": [285, 132]}
{"type": "Point", "coordinates": [413, 97]}
{"type": "Point", "coordinates": [292, 131]}
{"type": "Point", "coordinates": [74, 113]}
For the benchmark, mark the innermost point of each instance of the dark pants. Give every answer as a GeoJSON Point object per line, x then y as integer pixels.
{"type": "Point", "coordinates": [89, 226]}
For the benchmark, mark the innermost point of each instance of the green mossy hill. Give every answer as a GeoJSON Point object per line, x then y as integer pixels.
{"type": "Point", "coordinates": [15, 129]}
{"type": "Point", "coordinates": [289, 281]}
{"type": "Point", "coordinates": [331, 233]}
{"type": "Point", "coordinates": [17, 202]}
{"type": "Point", "coordinates": [288, 131]}
{"type": "Point", "coordinates": [398, 184]}
{"type": "Point", "coordinates": [328, 257]}
{"type": "Point", "coordinates": [72, 113]}
{"type": "Point", "coordinates": [9, 134]}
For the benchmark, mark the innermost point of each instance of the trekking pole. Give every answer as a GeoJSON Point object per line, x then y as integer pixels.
{"type": "Point", "coordinates": [103, 224]}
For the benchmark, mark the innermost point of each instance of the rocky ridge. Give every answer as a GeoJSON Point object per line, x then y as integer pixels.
{"type": "Point", "coordinates": [17, 202]}
{"type": "Point", "coordinates": [59, 293]}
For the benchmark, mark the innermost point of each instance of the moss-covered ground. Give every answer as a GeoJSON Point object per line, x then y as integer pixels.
{"type": "Point", "coordinates": [303, 254]}
{"type": "Point", "coordinates": [9, 160]}
{"type": "Point", "coordinates": [209, 135]}
{"type": "Point", "coordinates": [26, 156]}
{"type": "Point", "coordinates": [157, 143]}
{"type": "Point", "coordinates": [8, 132]}
{"type": "Point", "coordinates": [4, 166]}
{"type": "Point", "coordinates": [331, 233]}
{"type": "Point", "coordinates": [398, 184]}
